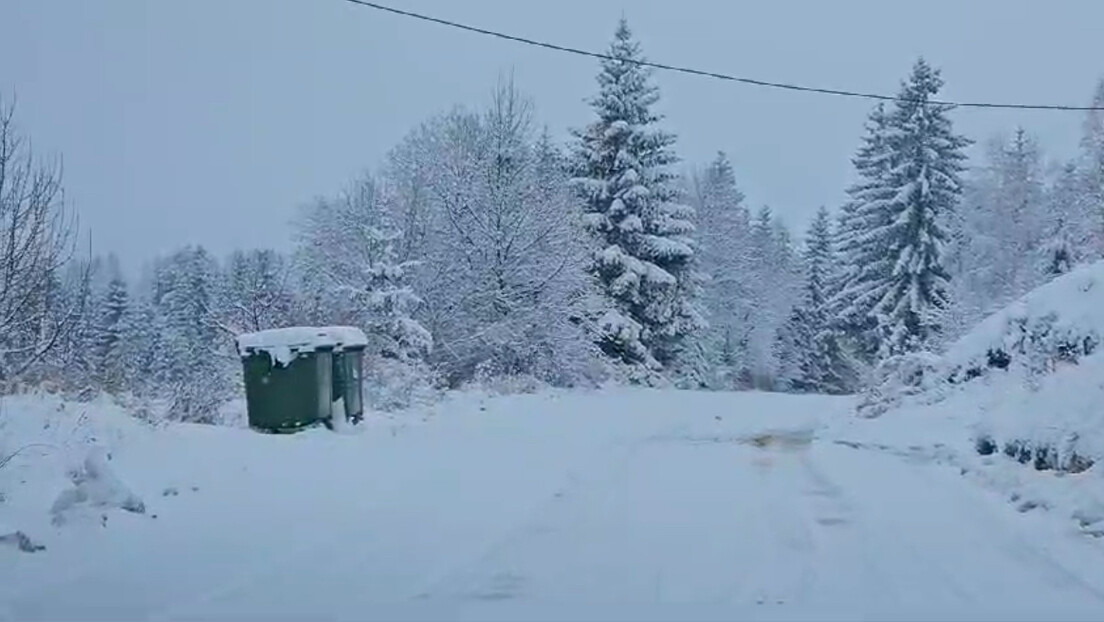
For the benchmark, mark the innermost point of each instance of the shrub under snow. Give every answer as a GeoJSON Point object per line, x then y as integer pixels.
{"type": "Point", "coordinates": [1057, 324]}
{"type": "Point", "coordinates": [1029, 379]}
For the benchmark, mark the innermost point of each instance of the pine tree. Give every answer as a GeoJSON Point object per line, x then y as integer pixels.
{"type": "Point", "coordinates": [831, 368]}
{"type": "Point", "coordinates": [192, 358]}
{"type": "Point", "coordinates": [141, 345]}
{"type": "Point", "coordinates": [1073, 225]}
{"type": "Point", "coordinates": [902, 221]}
{"type": "Point", "coordinates": [110, 328]}
{"type": "Point", "coordinates": [726, 259]}
{"type": "Point", "coordinates": [818, 261]}
{"type": "Point", "coordinates": [810, 357]}
{"type": "Point", "coordinates": [1065, 242]}
{"type": "Point", "coordinates": [73, 359]}
{"type": "Point", "coordinates": [765, 323]}
{"type": "Point", "coordinates": [1022, 174]}
{"type": "Point", "coordinates": [859, 260]}
{"type": "Point", "coordinates": [774, 289]}
{"type": "Point", "coordinates": [759, 346]}
{"type": "Point", "coordinates": [645, 255]}
{"type": "Point", "coordinates": [1013, 209]}
{"type": "Point", "coordinates": [161, 360]}
{"type": "Point", "coordinates": [793, 351]}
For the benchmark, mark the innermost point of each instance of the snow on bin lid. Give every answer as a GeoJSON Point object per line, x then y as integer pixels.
{"type": "Point", "coordinates": [302, 339]}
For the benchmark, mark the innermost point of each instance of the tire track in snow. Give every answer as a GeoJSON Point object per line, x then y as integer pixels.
{"type": "Point", "coordinates": [575, 498]}
{"type": "Point", "coordinates": [780, 537]}
{"type": "Point", "coordinates": [786, 523]}
{"type": "Point", "coordinates": [835, 527]}
{"type": "Point", "coordinates": [809, 515]}
{"type": "Point", "coordinates": [805, 568]}
{"type": "Point", "coordinates": [886, 536]}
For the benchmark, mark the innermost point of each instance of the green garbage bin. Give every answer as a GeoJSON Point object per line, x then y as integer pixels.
{"type": "Point", "coordinates": [294, 376]}
{"type": "Point", "coordinates": [348, 364]}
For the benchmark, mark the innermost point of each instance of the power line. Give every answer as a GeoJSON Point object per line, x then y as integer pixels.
{"type": "Point", "coordinates": [701, 72]}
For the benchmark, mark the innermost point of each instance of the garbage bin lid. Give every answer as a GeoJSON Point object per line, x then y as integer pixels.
{"type": "Point", "coordinates": [283, 343]}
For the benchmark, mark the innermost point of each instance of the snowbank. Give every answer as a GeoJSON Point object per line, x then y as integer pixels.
{"type": "Point", "coordinates": [56, 464]}
{"type": "Point", "coordinates": [1055, 324]}
{"type": "Point", "coordinates": [1029, 376]}
{"type": "Point", "coordinates": [1016, 402]}
{"type": "Point", "coordinates": [1044, 378]}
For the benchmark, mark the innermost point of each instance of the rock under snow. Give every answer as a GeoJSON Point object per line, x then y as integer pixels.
{"type": "Point", "coordinates": [19, 540]}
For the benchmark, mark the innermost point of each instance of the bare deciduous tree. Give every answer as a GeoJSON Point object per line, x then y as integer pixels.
{"type": "Point", "coordinates": [37, 239]}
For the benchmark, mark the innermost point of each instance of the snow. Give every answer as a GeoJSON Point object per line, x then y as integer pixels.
{"type": "Point", "coordinates": [1023, 387]}
{"type": "Point", "coordinates": [1068, 310]}
{"type": "Point", "coordinates": [666, 248]}
{"type": "Point", "coordinates": [611, 504]}
{"type": "Point", "coordinates": [283, 344]}
{"type": "Point", "coordinates": [1029, 373]}
{"type": "Point", "coordinates": [97, 486]}
{"type": "Point", "coordinates": [338, 417]}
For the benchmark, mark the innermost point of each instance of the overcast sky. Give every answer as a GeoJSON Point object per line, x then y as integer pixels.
{"type": "Point", "coordinates": [210, 121]}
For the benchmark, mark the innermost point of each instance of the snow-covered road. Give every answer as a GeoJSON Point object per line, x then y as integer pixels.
{"type": "Point", "coordinates": [614, 505]}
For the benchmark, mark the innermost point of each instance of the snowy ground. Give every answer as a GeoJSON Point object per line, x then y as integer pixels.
{"type": "Point", "coordinates": [622, 504]}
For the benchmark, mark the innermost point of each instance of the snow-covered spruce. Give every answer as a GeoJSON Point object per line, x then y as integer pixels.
{"type": "Point", "coordinates": [776, 279]}
{"type": "Point", "coordinates": [111, 315]}
{"type": "Point", "coordinates": [807, 346]}
{"type": "Point", "coordinates": [858, 259]}
{"type": "Point", "coordinates": [897, 286]}
{"type": "Point", "coordinates": [645, 252]}
{"type": "Point", "coordinates": [185, 340]}
{"type": "Point", "coordinates": [726, 260]}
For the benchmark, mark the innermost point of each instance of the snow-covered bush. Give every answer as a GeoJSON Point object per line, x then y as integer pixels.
{"type": "Point", "coordinates": [391, 384]}
{"type": "Point", "coordinates": [497, 383]}
{"type": "Point", "coordinates": [485, 214]}
{"type": "Point", "coordinates": [1027, 379]}
{"type": "Point", "coordinates": [1054, 325]}
{"type": "Point", "coordinates": [899, 378]}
